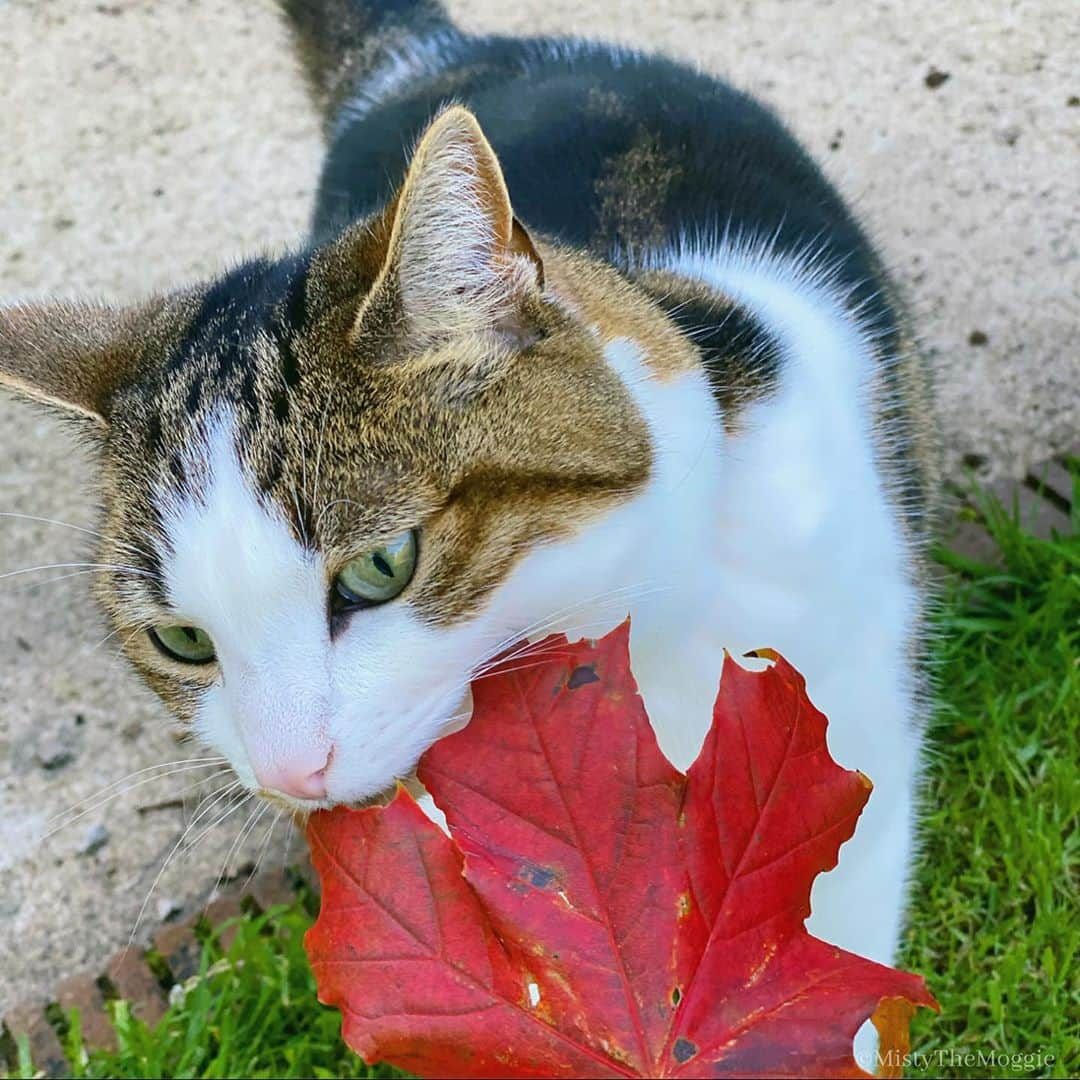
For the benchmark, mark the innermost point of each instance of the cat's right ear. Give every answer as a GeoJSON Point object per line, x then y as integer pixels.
{"type": "Point", "coordinates": [73, 356]}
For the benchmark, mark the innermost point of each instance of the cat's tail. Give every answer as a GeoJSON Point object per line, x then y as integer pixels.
{"type": "Point", "coordinates": [343, 41]}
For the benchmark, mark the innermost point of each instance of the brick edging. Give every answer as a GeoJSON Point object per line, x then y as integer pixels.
{"type": "Point", "coordinates": [1043, 497]}
{"type": "Point", "coordinates": [129, 976]}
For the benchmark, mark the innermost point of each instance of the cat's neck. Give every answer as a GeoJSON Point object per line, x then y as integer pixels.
{"type": "Point", "coordinates": [617, 310]}
{"type": "Point", "coordinates": [733, 542]}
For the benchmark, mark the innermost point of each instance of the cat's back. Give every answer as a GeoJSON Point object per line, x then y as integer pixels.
{"type": "Point", "coordinates": [635, 158]}
{"type": "Point", "coordinates": [605, 148]}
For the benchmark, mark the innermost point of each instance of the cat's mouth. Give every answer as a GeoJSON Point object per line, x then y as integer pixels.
{"type": "Point", "coordinates": [301, 809]}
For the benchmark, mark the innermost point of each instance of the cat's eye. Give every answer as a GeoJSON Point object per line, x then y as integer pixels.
{"type": "Point", "coordinates": [188, 644]}
{"type": "Point", "coordinates": [376, 576]}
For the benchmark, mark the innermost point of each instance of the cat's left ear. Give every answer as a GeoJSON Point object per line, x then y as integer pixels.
{"type": "Point", "coordinates": [457, 259]}
{"type": "Point", "coordinates": [72, 356]}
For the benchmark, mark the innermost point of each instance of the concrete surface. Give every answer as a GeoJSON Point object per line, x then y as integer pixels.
{"type": "Point", "coordinates": [144, 143]}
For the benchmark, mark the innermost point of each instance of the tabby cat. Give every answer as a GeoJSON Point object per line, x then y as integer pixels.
{"type": "Point", "coordinates": [606, 341]}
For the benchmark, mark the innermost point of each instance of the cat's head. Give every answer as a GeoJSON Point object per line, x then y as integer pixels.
{"type": "Point", "coordinates": [330, 480]}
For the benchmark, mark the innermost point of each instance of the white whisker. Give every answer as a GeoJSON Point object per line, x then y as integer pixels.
{"type": "Point", "coordinates": [331, 505]}
{"type": "Point", "coordinates": [288, 845]}
{"type": "Point", "coordinates": [263, 847]}
{"type": "Point", "coordinates": [133, 548]}
{"type": "Point", "coordinates": [249, 826]}
{"type": "Point", "coordinates": [248, 796]}
{"type": "Point", "coordinates": [205, 808]}
{"type": "Point", "coordinates": [179, 795]}
{"type": "Point", "coordinates": [111, 792]}
{"type": "Point", "coordinates": [50, 581]}
{"type": "Point", "coordinates": [116, 568]}
{"type": "Point", "coordinates": [319, 453]}
{"type": "Point", "coordinates": [619, 596]}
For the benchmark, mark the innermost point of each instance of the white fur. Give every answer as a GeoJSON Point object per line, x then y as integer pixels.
{"type": "Point", "coordinates": [378, 694]}
{"type": "Point", "coordinates": [413, 58]}
{"type": "Point", "coordinates": [780, 537]}
{"type": "Point", "coordinates": [812, 562]}
{"type": "Point", "coordinates": [237, 572]}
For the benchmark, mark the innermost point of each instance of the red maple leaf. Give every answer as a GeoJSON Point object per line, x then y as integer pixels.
{"type": "Point", "coordinates": [595, 912]}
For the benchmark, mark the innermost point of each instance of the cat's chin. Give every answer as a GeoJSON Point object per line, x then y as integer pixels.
{"type": "Point", "coordinates": [301, 810]}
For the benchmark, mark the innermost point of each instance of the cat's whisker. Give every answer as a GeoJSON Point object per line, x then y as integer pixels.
{"type": "Point", "coordinates": [330, 505]}
{"type": "Point", "coordinates": [243, 801]}
{"type": "Point", "coordinates": [214, 759]}
{"type": "Point", "coordinates": [620, 595]}
{"type": "Point", "coordinates": [263, 848]}
{"type": "Point", "coordinates": [299, 516]}
{"type": "Point", "coordinates": [124, 644]}
{"type": "Point", "coordinates": [48, 581]}
{"type": "Point", "coordinates": [219, 796]}
{"type": "Point", "coordinates": [246, 830]}
{"type": "Point", "coordinates": [319, 452]}
{"type": "Point", "coordinates": [58, 826]}
{"type": "Point", "coordinates": [113, 633]}
{"type": "Point", "coordinates": [179, 796]}
{"type": "Point", "coordinates": [304, 485]}
{"type": "Point", "coordinates": [89, 566]}
{"type": "Point", "coordinates": [539, 649]}
{"type": "Point", "coordinates": [545, 658]}
{"type": "Point", "coordinates": [133, 548]}
{"type": "Point", "coordinates": [528, 648]}
{"type": "Point", "coordinates": [288, 847]}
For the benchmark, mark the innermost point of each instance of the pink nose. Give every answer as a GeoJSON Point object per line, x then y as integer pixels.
{"type": "Point", "coordinates": [296, 777]}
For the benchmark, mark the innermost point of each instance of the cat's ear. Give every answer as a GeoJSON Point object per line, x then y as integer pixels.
{"type": "Point", "coordinates": [73, 356]}
{"type": "Point", "coordinates": [457, 258]}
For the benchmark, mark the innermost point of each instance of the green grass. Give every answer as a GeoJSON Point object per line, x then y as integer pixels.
{"type": "Point", "coordinates": [995, 905]}
{"type": "Point", "coordinates": [250, 1012]}
{"type": "Point", "coordinates": [994, 919]}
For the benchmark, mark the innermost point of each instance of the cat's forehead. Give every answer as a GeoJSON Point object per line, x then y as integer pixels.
{"type": "Point", "coordinates": [251, 361]}
{"type": "Point", "coordinates": [342, 444]}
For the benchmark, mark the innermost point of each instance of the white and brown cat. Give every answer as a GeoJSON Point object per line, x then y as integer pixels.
{"type": "Point", "coordinates": [607, 342]}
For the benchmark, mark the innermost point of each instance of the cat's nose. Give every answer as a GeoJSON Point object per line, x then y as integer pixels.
{"type": "Point", "coordinates": [297, 777]}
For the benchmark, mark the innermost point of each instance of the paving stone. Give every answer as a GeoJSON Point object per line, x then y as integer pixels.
{"type": "Point", "coordinates": [54, 754]}
{"type": "Point", "coordinates": [180, 949]}
{"type": "Point", "coordinates": [45, 1050]}
{"type": "Point", "coordinates": [137, 984]}
{"type": "Point", "coordinates": [270, 888]}
{"type": "Point", "coordinates": [82, 992]}
{"type": "Point", "coordinates": [222, 909]}
{"type": "Point", "coordinates": [1056, 477]}
{"type": "Point", "coordinates": [1037, 514]}
{"type": "Point", "coordinates": [94, 839]}
{"type": "Point", "coordinates": [928, 183]}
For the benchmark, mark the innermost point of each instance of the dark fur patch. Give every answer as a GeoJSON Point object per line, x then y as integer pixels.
{"type": "Point", "coordinates": [339, 40]}
{"type": "Point", "coordinates": [617, 152]}
{"type": "Point", "coordinates": [741, 356]}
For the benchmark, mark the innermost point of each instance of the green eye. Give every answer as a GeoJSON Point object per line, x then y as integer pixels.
{"type": "Point", "coordinates": [377, 576]}
{"type": "Point", "coordinates": [188, 644]}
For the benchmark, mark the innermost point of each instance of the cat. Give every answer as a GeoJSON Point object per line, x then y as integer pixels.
{"type": "Point", "coordinates": [605, 342]}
